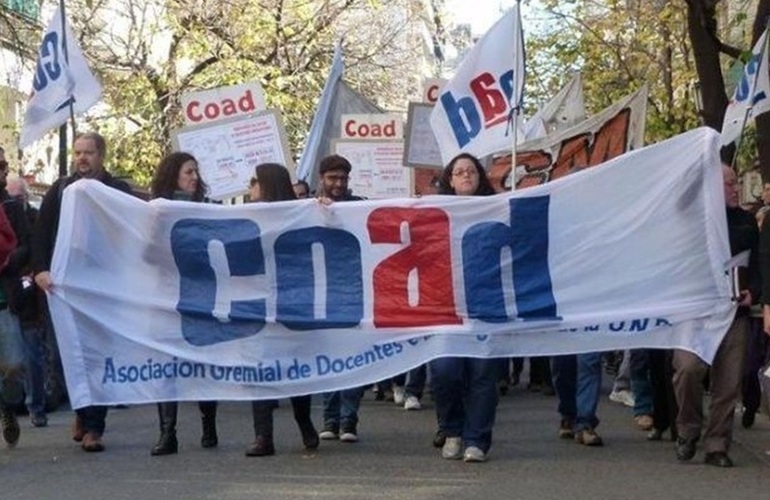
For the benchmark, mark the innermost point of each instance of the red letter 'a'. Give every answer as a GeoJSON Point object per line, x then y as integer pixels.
{"type": "Point", "coordinates": [426, 254]}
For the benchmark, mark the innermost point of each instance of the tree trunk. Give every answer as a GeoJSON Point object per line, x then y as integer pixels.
{"type": "Point", "coordinates": [701, 21]}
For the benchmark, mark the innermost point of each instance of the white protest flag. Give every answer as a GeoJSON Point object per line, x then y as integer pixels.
{"type": "Point", "coordinates": [175, 301]}
{"type": "Point", "coordinates": [565, 109]}
{"type": "Point", "coordinates": [58, 83]}
{"type": "Point", "coordinates": [752, 94]}
{"type": "Point", "coordinates": [337, 99]}
{"type": "Point", "coordinates": [473, 112]}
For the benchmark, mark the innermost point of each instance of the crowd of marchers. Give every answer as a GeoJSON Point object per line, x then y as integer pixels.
{"type": "Point", "coordinates": [665, 388]}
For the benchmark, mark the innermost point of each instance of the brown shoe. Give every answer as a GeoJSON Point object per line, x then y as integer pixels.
{"type": "Point", "coordinates": [588, 437]}
{"type": "Point", "coordinates": [77, 430]}
{"type": "Point", "coordinates": [565, 429]}
{"type": "Point", "coordinates": [261, 447]}
{"type": "Point", "coordinates": [643, 422]}
{"type": "Point", "coordinates": [92, 442]}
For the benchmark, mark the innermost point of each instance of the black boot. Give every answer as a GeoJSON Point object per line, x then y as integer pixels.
{"type": "Point", "coordinates": [167, 443]}
{"type": "Point", "coordinates": [209, 420]}
{"type": "Point", "coordinates": [301, 406]}
{"type": "Point", "coordinates": [262, 412]}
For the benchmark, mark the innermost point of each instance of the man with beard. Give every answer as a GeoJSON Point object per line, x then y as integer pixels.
{"type": "Point", "coordinates": [340, 407]}
{"type": "Point", "coordinates": [334, 172]}
{"type": "Point", "coordinates": [89, 152]}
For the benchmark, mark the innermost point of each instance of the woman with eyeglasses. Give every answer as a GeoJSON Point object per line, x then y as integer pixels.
{"type": "Point", "coordinates": [177, 178]}
{"type": "Point", "coordinates": [465, 389]}
{"type": "Point", "coordinates": [272, 183]}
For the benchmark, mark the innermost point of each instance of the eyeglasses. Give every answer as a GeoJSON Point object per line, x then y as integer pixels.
{"type": "Point", "coordinates": [462, 173]}
{"type": "Point", "coordinates": [3, 165]}
{"type": "Point", "coordinates": [253, 182]}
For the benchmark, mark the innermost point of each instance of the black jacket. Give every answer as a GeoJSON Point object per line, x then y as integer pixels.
{"type": "Point", "coordinates": [744, 235]}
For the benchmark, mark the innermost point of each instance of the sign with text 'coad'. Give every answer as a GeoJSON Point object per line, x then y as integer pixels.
{"type": "Point", "coordinates": [377, 126]}
{"type": "Point", "coordinates": [431, 88]}
{"type": "Point", "coordinates": [223, 102]}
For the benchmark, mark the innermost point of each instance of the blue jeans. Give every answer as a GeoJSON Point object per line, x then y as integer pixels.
{"type": "Point", "coordinates": [341, 408]}
{"type": "Point", "coordinates": [623, 377]}
{"type": "Point", "coordinates": [466, 397]}
{"type": "Point", "coordinates": [34, 381]}
{"type": "Point", "coordinates": [577, 379]}
{"type": "Point", "coordinates": [415, 381]}
{"type": "Point", "coordinates": [12, 357]}
{"type": "Point", "coordinates": [641, 384]}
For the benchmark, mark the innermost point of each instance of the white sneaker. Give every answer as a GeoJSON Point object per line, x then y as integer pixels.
{"type": "Point", "coordinates": [474, 454]}
{"type": "Point", "coordinates": [623, 397]}
{"type": "Point", "coordinates": [452, 449]}
{"type": "Point", "coordinates": [412, 403]}
{"type": "Point", "coordinates": [398, 395]}
{"type": "Point", "coordinates": [328, 434]}
{"type": "Point", "coordinates": [349, 436]}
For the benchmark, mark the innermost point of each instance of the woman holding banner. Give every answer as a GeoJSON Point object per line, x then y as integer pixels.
{"type": "Point", "coordinates": [465, 389]}
{"type": "Point", "coordinates": [272, 183]}
{"type": "Point", "coordinates": [176, 178]}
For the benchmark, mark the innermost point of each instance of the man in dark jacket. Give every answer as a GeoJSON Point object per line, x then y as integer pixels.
{"type": "Point", "coordinates": [726, 370]}
{"type": "Point", "coordinates": [88, 156]}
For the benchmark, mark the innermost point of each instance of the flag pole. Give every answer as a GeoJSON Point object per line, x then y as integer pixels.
{"type": "Point", "coordinates": [516, 106]}
{"type": "Point", "coordinates": [63, 167]}
{"type": "Point", "coordinates": [750, 103]}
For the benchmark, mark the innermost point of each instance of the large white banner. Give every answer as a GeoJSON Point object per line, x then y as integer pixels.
{"type": "Point", "coordinates": [60, 82]}
{"type": "Point", "coordinates": [473, 111]}
{"type": "Point", "coordinates": [182, 301]}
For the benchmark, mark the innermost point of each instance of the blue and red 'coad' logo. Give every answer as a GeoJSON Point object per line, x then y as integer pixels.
{"type": "Point", "coordinates": [486, 107]}
{"type": "Point", "coordinates": [297, 299]}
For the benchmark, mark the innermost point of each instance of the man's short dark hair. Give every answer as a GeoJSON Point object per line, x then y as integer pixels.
{"type": "Point", "coordinates": [99, 142]}
{"type": "Point", "coordinates": [334, 162]}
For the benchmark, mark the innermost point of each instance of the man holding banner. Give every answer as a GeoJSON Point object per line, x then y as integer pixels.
{"type": "Point", "coordinates": [340, 407]}
{"type": "Point", "coordinates": [89, 152]}
{"type": "Point", "coordinates": [726, 370]}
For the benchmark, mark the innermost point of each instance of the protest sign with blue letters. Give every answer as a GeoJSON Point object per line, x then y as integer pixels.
{"type": "Point", "coordinates": [171, 300]}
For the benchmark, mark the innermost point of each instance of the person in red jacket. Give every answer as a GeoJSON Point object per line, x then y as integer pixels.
{"type": "Point", "coordinates": [11, 342]}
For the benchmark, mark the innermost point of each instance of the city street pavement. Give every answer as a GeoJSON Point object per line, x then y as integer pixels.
{"type": "Point", "coordinates": [393, 460]}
